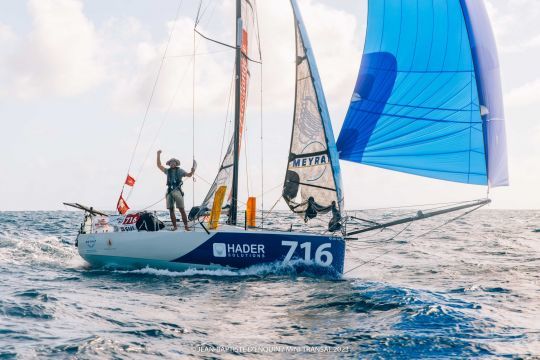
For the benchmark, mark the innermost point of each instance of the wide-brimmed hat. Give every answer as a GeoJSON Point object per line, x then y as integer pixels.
{"type": "Point", "coordinates": [173, 162]}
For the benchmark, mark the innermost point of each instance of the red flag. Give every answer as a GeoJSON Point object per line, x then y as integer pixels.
{"type": "Point", "coordinates": [130, 181]}
{"type": "Point", "coordinates": [122, 206]}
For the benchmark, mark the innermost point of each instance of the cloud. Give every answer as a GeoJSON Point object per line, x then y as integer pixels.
{"type": "Point", "coordinates": [338, 49]}
{"type": "Point", "coordinates": [65, 54]}
{"type": "Point", "coordinates": [334, 43]}
{"type": "Point", "coordinates": [522, 46]}
{"type": "Point", "coordinates": [61, 51]}
{"type": "Point", "coordinates": [515, 17]}
{"type": "Point", "coordinates": [60, 55]}
{"type": "Point", "coordinates": [133, 83]}
{"type": "Point", "coordinates": [525, 95]}
{"type": "Point", "coordinates": [6, 34]}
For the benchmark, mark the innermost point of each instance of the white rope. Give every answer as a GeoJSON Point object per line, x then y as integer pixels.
{"type": "Point", "coordinates": [412, 206]}
{"type": "Point", "coordinates": [153, 91]}
{"type": "Point", "coordinates": [177, 90]}
{"type": "Point", "coordinates": [226, 119]}
{"type": "Point", "coordinates": [193, 112]}
{"type": "Point", "coordinates": [246, 158]}
{"type": "Point", "coordinates": [164, 120]}
{"type": "Point", "coordinates": [199, 54]}
{"type": "Point", "coordinates": [414, 238]}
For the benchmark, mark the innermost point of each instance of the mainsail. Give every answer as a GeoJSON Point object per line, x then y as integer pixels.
{"type": "Point", "coordinates": [225, 172]}
{"type": "Point", "coordinates": [428, 98]}
{"type": "Point", "coordinates": [313, 173]}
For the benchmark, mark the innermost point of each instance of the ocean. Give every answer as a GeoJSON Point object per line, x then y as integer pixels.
{"type": "Point", "coordinates": [470, 289]}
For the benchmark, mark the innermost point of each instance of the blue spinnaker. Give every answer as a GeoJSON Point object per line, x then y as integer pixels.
{"type": "Point", "coordinates": [428, 100]}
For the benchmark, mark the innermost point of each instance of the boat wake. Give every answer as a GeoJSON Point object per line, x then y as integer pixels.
{"type": "Point", "coordinates": [292, 269]}
{"type": "Point", "coordinates": [30, 248]}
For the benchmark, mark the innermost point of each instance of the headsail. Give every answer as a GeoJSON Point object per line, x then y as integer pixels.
{"type": "Point", "coordinates": [428, 99]}
{"type": "Point", "coordinates": [223, 178]}
{"type": "Point", "coordinates": [313, 167]}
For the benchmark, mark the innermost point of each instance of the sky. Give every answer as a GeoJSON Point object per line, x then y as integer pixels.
{"type": "Point", "coordinates": [76, 78]}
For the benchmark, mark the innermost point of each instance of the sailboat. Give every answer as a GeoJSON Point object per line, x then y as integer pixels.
{"type": "Point", "coordinates": [113, 240]}
{"type": "Point", "coordinates": [427, 102]}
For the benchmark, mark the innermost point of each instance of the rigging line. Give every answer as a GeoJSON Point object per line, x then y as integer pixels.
{"type": "Point", "coordinates": [416, 237]}
{"type": "Point", "coordinates": [203, 179]}
{"type": "Point", "coordinates": [258, 31]}
{"type": "Point", "coordinates": [252, 60]}
{"type": "Point", "coordinates": [421, 215]}
{"type": "Point", "coordinates": [169, 108]}
{"type": "Point", "coordinates": [360, 246]}
{"type": "Point", "coordinates": [211, 13]}
{"type": "Point", "coordinates": [226, 119]}
{"type": "Point", "coordinates": [447, 222]}
{"type": "Point", "coordinates": [201, 16]}
{"type": "Point", "coordinates": [273, 206]}
{"type": "Point", "coordinates": [413, 211]}
{"type": "Point", "coordinates": [190, 55]}
{"type": "Point", "coordinates": [165, 118]}
{"type": "Point", "coordinates": [227, 45]}
{"type": "Point", "coordinates": [262, 143]}
{"type": "Point", "coordinates": [193, 112]}
{"type": "Point", "coordinates": [196, 21]}
{"type": "Point", "coordinates": [270, 190]}
{"type": "Point", "coordinates": [154, 204]}
{"type": "Point", "coordinates": [246, 159]}
{"type": "Point", "coordinates": [443, 206]}
{"type": "Point", "coordinates": [412, 206]}
{"type": "Point", "coordinates": [215, 41]}
{"type": "Point", "coordinates": [380, 255]}
{"type": "Point", "coordinates": [260, 109]}
{"type": "Point", "coordinates": [154, 87]}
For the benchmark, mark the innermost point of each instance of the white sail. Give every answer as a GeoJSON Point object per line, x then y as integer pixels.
{"type": "Point", "coordinates": [313, 168]}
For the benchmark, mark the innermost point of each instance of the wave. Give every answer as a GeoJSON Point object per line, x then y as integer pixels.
{"type": "Point", "coordinates": [465, 292]}
{"type": "Point", "coordinates": [29, 248]}
{"type": "Point", "coordinates": [293, 268]}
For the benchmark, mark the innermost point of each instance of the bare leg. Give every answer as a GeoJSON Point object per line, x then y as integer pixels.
{"type": "Point", "coordinates": [173, 218]}
{"type": "Point", "coordinates": [184, 217]}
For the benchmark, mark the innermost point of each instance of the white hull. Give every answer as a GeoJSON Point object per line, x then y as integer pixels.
{"type": "Point", "coordinates": [229, 247]}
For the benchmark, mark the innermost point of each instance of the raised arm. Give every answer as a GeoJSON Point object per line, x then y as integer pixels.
{"type": "Point", "coordinates": [158, 162]}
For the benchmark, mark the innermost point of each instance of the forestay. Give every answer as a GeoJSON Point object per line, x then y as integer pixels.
{"type": "Point", "coordinates": [313, 167]}
{"type": "Point", "coordinates": [428, 100]}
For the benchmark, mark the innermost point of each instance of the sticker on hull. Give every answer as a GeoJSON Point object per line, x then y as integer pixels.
{"type": "Point", "coordinates": [240, 250]}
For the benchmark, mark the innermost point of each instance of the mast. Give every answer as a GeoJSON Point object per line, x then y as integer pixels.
{"type": "Point", "coordinates": [234, 192]}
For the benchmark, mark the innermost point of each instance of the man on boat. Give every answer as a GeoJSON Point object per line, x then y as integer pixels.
{"type": "Point", "coordinates": [174, 194]}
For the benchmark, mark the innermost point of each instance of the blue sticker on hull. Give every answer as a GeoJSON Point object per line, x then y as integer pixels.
{"type": "Point", "coordinates": [241, 250]}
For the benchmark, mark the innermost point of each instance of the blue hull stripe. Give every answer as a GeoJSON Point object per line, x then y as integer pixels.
{"type": "Point", "coordinates": [239, 250]}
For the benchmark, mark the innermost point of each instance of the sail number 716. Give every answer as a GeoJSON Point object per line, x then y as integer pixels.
{"type": "Point", "coordinates": [323, 257]}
